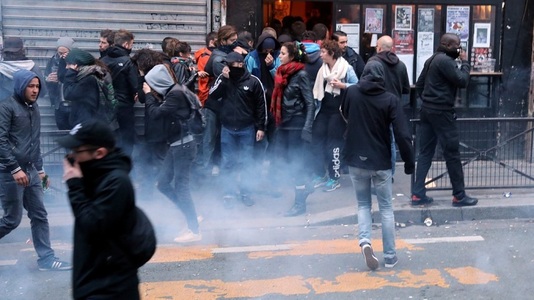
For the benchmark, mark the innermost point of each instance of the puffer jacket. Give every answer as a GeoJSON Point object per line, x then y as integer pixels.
{"type": "Point", "coordinates": [298, 101]}
{"type": "Point", "coordinates": [20, 128]}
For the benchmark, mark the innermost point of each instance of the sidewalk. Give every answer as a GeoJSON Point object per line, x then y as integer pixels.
{"type": "Point", "coordinates": [337, 207]}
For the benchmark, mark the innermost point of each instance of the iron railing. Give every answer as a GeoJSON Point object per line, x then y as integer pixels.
{"type": "Point", "coordinates": [496, 153]}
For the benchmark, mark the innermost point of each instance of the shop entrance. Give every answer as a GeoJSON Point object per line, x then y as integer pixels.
{"type": "Point", "coordinates": [279, 14]}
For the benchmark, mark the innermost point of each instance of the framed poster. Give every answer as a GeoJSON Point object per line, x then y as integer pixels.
{"type": "Point", "coordinates": [426, 20]}
{"type": "Point", "coordinates": [403, 41]}
{"type": "Point", "coordinates": [482, 35]}
{"type": "Point", "coordinates": [374, 18]}
{"type": "Point", "coordinates": [458, 21]}
{"type": "Point", "coordinates": [403, 17]}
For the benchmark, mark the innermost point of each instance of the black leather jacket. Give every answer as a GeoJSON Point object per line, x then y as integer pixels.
{"type": "Point", "coordinates": [298, 101]}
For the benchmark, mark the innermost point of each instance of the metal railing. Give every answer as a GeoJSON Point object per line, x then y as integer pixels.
{"type": "Point", "coordinates": [496, 153]}
{"type": "Point", "coordinates": [53, 155]}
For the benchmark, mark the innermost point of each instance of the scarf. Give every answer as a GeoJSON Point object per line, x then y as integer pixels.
{"type": "Point", "coordinates": [339, 71]}
{"type": "Point", "coordinates": [85, 71]}
{"type": "Point", "coordinates": [281, 79]}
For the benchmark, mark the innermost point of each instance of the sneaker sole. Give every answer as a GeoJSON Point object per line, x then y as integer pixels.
{"type": "Point", "coordinates": [391, 265]}
{"type": "Point", "coordinates": [196, 239]}
{"type": "Point", "coordinates": [333, 188]}
{"type": "Point", "coordinates": [370, 258]}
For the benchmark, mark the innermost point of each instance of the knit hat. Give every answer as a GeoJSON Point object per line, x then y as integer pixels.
{"type": "Point", "coordinates": [65, 41]}
{"type": "Point", "coordinates": [159, 79]}
{"type": "Point", "coordinates": [268, 43]}
{"type": "Point", "coordinates": [80, 57]}
{"type": "Point", "coordinates": [13, 44]}
{"type": "Point", "coordinates": [373, 71]}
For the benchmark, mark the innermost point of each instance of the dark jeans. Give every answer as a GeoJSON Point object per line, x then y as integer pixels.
{"type": "Point", "coordinates": [237, 147]}
{"type": "Point", "coordinates": [438, 126]}
{"type": "Point", "coordinates": [177, 167]}
{"type": "Point", "coordinates": [210, 138]}
{"type": "Point", "coordinates": [126, 120]}
{"type": "Point", "coordinates": [151, 161]}
{"type": "Point", "coordinates": [327, 141]}
{"type": "Point", "coordinates": [14, 197]}
{"type": "Point", "coordinates": [293, 157]}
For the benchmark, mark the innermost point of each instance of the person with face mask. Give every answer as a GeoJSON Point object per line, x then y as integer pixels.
{"type": "Point", "coordinates": [437, 86]}
{"type": "Point", "coordinates": [243, 121]}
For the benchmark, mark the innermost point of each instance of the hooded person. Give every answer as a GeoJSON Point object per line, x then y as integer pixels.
{"type": "Point", "coordinates": [313, 50]}
{"type": "Point", "coordinates": [173, 179]}
{"type": "Point", "coordinates": [370, 111]}
{"type": "Point", "coordinates": [82, 86]}
{"type": "Point", "coordinates": [264, 61]}
{"type": "Point", "coordinates": [14, 59]}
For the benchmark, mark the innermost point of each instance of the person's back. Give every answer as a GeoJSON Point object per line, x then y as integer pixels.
{"type": "Point", "coordinates": [103, 203]}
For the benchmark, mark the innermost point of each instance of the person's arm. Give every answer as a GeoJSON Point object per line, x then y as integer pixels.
{"type": "Point", "coordinates": [344, 108]}
{"type": "Point", "coordinates": [307, 95]}
{"type": "Point", "coordinates": [261, 106]}
{"type": "Point", "coordinates": [7, 158]}
{"type": "Point", "coordinates": [402, 135]}
{"type": "Point", "coordinates": [219, 88]}
{"type": "Point", "coordinates": [350, 78]}
{"type": "Point", "coordinates": [459, 77]}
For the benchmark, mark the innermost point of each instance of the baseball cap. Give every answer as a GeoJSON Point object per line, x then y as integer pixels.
{"type": "Point", "coordinates": [92, 132]}
{"type": "Point", "coordinates": [13, 44]}
{"type": "Point", "coordinates": [233, 57]}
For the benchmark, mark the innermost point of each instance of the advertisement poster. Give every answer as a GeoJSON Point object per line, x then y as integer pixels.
{"type": "Point", "coordinates": [482, 35]}
{"type": "Point", "coordinates": [403, 17]}
{"type": "Point", "coordinates": [426, 20]}
{"type": "Point", "coordinates": [479, 57]}
{"type": "Point", "coordinates": [425, 49]}
{"type": "Point", "coordinates": [353, 34]}
{"type": "Point", "coordinates": [458, 21]}
{"type": "Point", "coordinates": [403, 41]}
{"type": "Point", "coordinates": [374, 18]}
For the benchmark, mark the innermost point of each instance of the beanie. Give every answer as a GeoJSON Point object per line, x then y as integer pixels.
{"type": "Point", "coordinates": [268, 43]}
{"type": "Point", "coordinates": [159, 79]}
{"type": "Point", "coordinates": [65, 42]}
{"type": "Point", "coordinates": [80, 57]}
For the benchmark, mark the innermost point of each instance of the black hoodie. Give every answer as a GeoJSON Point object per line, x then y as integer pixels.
{"type": "Point", "coordinates": [369, 110]}
{"type": "Point", "coordinates": [103, 204]}
{"type": "Point", "coordinates": [396, 75]}
{"type": "Point", "coordinates": [124, 74]}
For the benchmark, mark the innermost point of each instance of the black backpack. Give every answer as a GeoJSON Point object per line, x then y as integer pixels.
{"type": "Point", "coordinates": [107, 102]}
{"type": "Point", "coordinates": [140, 243]}
{"type": "Point", "coordinates": [196, 122]}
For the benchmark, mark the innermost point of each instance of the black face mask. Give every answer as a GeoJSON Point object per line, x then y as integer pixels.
{"type": "Point", "coordinates": [236, 73]}
{"type": "Point", "coordinates": [228, 48]}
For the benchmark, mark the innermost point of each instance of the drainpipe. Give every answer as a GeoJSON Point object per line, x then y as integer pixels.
{"type": "Point", "coordinates": [216, 15]}
{"type": "Point", "coordinates": [223, 12]}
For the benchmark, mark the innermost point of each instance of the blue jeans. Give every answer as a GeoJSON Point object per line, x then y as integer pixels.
{"type": "Point", "coordinates": [438, 126]}
{"type": "Point", "coordinates": [209, 138]}
{"type": "Point", "coordinates": [381, 179]}
{"type": "Point", "coordinates": [176, 169]}
{"type": "Point", "coordinates": [237, 147]}
{"type": "Point", "coordinates": [14, 197]}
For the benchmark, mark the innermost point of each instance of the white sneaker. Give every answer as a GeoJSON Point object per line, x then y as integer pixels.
{"type": "Point", "coordinates": [188, 237]}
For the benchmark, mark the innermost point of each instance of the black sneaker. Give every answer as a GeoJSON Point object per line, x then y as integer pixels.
{"type": "Point", "coordinates": [370, 258]}
{"type": "Point", "coordinates": [391, 262]}
{"type": "Point", "coordinates": [416, 200]}
{"type": "Point", "coordinates": [465, 201]}
{"type": "Point", "coordinates": [247, 200]}
{"type": "Point", "coordinates": [56, 265]}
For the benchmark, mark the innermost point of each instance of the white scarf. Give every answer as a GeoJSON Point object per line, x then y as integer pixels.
{"type": "Point", "coordinates": [339, 71]}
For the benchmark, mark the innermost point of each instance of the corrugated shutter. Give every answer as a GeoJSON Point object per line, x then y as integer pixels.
{"type": "Point", "coordinates": [41, 23]}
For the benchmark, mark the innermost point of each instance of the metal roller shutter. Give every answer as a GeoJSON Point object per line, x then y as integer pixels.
{"type": "Point", "coordinates": [41, 23]}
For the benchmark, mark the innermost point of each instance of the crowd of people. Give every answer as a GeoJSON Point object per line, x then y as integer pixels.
{"type": "Point", "coordinates": [301, 102]}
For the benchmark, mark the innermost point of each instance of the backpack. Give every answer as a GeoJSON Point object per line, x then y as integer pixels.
{"type": "Point", "coordinates": [107, 103]}
{"type": "Point", "coordinates": [196, 122]}
{"type": "Point", "coordinates": [139, 244]}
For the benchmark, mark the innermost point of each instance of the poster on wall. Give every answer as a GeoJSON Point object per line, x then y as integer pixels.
{"type": "Point", "coordinates": [482, 35]}
{"type": "Point", "coordinates": [403, 41]}
{"type": "Point", "coordinates": [374, 18]}
{"type": "Point", "coordinates": [426, 20]}
{"type": "Point", "coordinates": [403, 17]}
{"type": "Point", "coordinates": [425, 49]}
{"type": "Point", "coordinates": [353, 34]}
{"type": "Point", "coordinates": [458, 21]}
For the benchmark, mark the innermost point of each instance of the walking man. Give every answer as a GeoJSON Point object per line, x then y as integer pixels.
{"type": "Point", "coordinates": [370, 112]}
{"type": "Point", "coordinates": [437, 87]}
{"type": "Point", "coordinates": [21, 167]}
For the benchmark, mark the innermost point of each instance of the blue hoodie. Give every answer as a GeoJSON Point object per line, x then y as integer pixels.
{"type": "Point", "coordinates": [21, 79]}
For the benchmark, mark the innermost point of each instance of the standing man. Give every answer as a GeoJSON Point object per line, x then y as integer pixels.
{"type": "Point", "coordinates": [21, 167]}
{"type": "Point", "coordinates": [370, 111]}
{"type": "Point", "coordinates": [354, 59]}
{"type": "Point", "coordinates": [107, 37]}
{"type": "Point", "coordinates": [396, 79]}
{"type": "Point", "coordinates": [243, 122]}
{"type": "Point", "coordinates": [103, 203]}
{"type": "Point", "coordinates": [437, 87]}
{"type": "Point", "coordinates": [124, 74]}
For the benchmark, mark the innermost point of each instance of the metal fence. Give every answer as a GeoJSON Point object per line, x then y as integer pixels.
{"type": "Point", "coordinates": [53, 155]}
{"type": "Point", "coordinates": [496, 153]}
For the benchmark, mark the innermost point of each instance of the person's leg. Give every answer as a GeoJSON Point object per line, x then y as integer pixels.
{"type": "Point", "coordinates": [427, 146]}
{"type": "Point", "coordinates": [209, 138]}
{"type": "Point", "coordinates": [183, 159]}
{"type": "Point", "coordinates": [382, 183]}
{"type": "Point", "coordinates": [126, 120]}
{"type": "Point", "coordinates": [318, 146]}
{"type": "Point", "coordinates": [247, 163]}
{"type": "Point", "coordinates": [166, 176]}
{"type": "Point", "coordinates": [335, 131]}
{"type": "Point", "coordinates": [11, 197]}
{"type": "Point", "coordinates": [229, 161]}
{"type": "Point", "coordinates": [33, 203]}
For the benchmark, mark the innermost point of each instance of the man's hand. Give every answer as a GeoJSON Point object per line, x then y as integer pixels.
{"type": "Point", "coordinates": [463, 55]}
{"type": "Point", "coordinates": [259, 135]}
{"type": "Point", "coordinates": [146, 88]}
{"type": "Point", "coordinates": [269, 60]}
{"type": "Point", "coordinates": [71, 170]}
{"type": "Point", "coordinates": [226, 72]}
{"type": "Point", "coordinates": [52, 77]}
{"type": "Point", "coordinates": [21, 178]}
{"type": "Point", "coordinates": [203, 74]}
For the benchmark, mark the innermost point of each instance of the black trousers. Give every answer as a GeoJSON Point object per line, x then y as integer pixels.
{"type": "Point", "coordinates": [327, 141]}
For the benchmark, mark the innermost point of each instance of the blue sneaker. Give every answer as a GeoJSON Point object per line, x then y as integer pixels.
{"type": "Point", "coordinates": [331, 185]}
{"type": "Point", "coordinates": [319, 181]}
